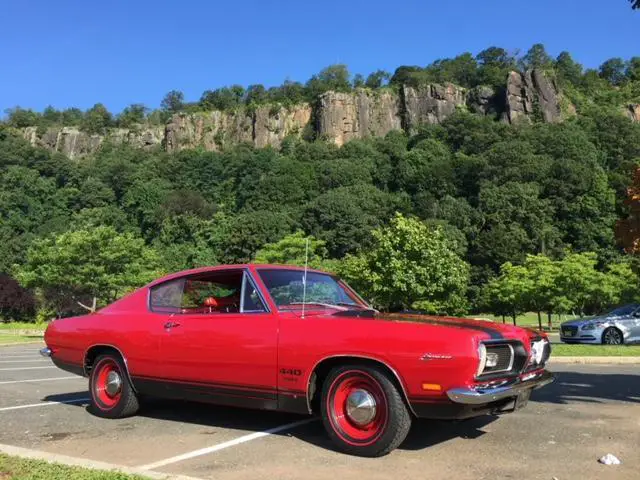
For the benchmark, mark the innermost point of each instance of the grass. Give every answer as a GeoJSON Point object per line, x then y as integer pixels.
{"type": "Point", "coordinates": [15, 468]}
{"type": "Point", "coordinates": [595, 351]}
{"type": "Point", "coordinates": [529, 319]}
{"type": "Point", "coordinates": [16, 339]}
{"type": "Point", "coordinates": [22, 326]}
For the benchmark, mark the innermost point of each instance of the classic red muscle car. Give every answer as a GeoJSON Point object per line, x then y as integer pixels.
{"type": "Point", "coordinates": [279, 338]}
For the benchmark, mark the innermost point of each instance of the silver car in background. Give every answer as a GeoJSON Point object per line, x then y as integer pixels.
{"type": "Point", "coordinates": [616, 327]}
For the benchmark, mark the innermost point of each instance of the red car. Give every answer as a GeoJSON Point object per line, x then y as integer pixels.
{"type": "Point", "coordinates": [279, 338]}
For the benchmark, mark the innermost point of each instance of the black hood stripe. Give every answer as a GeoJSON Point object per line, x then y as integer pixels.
{"type": "Point", "coordinates": [494, 333]}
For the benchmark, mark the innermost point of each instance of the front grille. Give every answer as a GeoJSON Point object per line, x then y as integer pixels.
{"type": "Point", "coordinates": [505, 358]}
{"type": "Point", "coordinates": [569, 331]}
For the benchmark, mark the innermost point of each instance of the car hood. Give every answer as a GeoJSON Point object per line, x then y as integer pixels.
{"type": "Point", "coordinates": [581, 321]}
{"type": "Point", "coordinates": [492, 330]}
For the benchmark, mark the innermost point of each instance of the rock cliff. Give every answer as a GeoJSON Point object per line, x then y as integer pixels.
{"type": "Point", "coordinates": [529, 95]}
{"type": "Point", "coordinates": [633, 112]}
{"type": "Point", "coordinates": [336, 116]}
{"type": "Point", "coordinates": [75, 143]}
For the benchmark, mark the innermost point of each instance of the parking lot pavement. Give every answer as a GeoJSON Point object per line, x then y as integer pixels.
{"type": "Point", "coordinates": [590, 411]}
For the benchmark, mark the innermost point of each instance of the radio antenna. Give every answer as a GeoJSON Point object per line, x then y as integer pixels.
{"type": "Point", "coordinates": [304, 278]}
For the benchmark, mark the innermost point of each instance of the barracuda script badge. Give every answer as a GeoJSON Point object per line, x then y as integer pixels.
{"type": "Point", "coordinates": [435, 356]}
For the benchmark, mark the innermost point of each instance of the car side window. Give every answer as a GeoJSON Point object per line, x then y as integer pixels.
{"type": "Point", "coordinates": [167, 297]}
{"type": "Point", "coordinates": [251, 300]}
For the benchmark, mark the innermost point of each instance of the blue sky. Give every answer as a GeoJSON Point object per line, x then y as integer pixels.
{"type": "Point", "coordinates": [77, 53]}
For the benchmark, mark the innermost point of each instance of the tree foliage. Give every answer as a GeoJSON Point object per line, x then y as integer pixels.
{"type": "Point", "coordinates": [410, 263]}
{"type": "Point", "coordinates": [99, 263]}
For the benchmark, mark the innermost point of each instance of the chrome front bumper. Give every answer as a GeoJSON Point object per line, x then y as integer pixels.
{"type": "Point", "coordinates": [480, 396]}
{"type": "Point", "coordinates": [45, 352]}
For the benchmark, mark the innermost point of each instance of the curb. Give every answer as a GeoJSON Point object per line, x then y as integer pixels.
{"type": "Point", "coordinates": [596, 360]}
{"type": "Point", "coordinates": [84, 463]}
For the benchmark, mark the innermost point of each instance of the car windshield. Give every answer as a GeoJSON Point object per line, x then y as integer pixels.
{"type": "Point", "coordinates": [623, 311]}
{"type": "Point", "coordinates": [288, 291]}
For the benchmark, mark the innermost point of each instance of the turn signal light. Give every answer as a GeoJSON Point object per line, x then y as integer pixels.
{"type": "Point", "coordinates": [433, 387]}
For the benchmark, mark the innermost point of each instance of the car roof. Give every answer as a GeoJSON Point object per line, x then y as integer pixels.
{"type": "Point", "coordinates": [196, 271]}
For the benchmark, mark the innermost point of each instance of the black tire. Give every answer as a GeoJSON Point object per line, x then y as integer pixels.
{"type": "Point", "coordinates": [122, 404]}
{"type": "Point", "coordinates": [390, 424]}
{"type": "Point", "coordinates": [612, 336]}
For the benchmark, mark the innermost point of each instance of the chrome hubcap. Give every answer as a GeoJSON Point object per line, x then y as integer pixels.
{"type": "Point", "coordinates": [361, 407]}
{"type": "Point", "coordinates": [114, 383]}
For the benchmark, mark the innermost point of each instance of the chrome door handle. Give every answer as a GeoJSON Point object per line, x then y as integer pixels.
{"type": "Point", "coordinates": [171, 324]}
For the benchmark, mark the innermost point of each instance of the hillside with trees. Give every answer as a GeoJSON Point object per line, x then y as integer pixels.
{"type": "Point", "coordinates": [478, 214]}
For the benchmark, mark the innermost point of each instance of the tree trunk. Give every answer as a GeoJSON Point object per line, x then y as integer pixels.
{"type": "Point", "coordinates": [514, 317]}
{"type": "Point", "coordinates": [550, 322]}
{"type": "Point", "coordinates": [504, 319]}
{"type": "Point", "coordinates": [539, 320]}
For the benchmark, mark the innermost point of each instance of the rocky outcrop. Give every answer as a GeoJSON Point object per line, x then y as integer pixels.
{"type": "Point", "coordinates": [75, 143]}
{"type": "Point", "coordinates": [633, 112]}
{"type": "Point", "coordinates": [345, 116]}
{"type": "Point", "coordinates": [272, 124]}
{"type": "Point", "coordinates": [338, 117]}
{"type": "Point", "coordinates": [531, 94]}
{"type": "Point", "coordinates": [212, 131]}
{"type": "Point", "coordinates": [483, 101]}
{"type": "Point", "coordinates": [429, 104]}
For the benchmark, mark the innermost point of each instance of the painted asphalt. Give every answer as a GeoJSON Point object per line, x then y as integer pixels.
{"type": "Point", "coordinates": [591, 410]}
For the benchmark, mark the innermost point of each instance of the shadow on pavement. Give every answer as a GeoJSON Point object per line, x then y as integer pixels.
{"type": "Point", "coordinates": [590, 388]}
{"type": "Point", "coordinates": [568, 387]}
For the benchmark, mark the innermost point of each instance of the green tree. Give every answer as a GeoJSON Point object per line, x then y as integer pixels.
{"type": "Point", "coordinates": [96, 119]}
{"type": "Point", "coordinates": [134, 114]}
{"type": "Point", "coordinates": [173, 101]}
{"type": "Point", "coordinates": [99, 263]}
{"type": "Point", "coordinates": [613, 71]}
{"type": "Point", "coordinates": [377, 79]}
{"type": "Point", "coordinates": [494, 66]}
{"type": "Point", "coordinates": [537, 57]}
{"type": "Point", "coordinates": [569, 71]}
{"type": "Point", "coordinates": [225, 98]}
{"type": "Point", "coordinates": [20, 117]}
{"type": "Point", "coordinates": [505, 294]}
{"type": "Point", "coordinates": [332, 78]}
{"type": "Point", "coordinates": [633, 69]}
{"type": "Point", "coordinates": [292, 250]}
{"type": "Point", "coordinates": [410, 264]}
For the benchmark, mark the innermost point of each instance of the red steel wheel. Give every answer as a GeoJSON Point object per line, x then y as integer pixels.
{"type": "Point", "coordinates": [112, 395]}
{"type": "Point", "coordinates": [358, 407]}
{"type": "Point", "coordinates": [363, 410]}
{"type": "Point", "coordinates": [108, 384]}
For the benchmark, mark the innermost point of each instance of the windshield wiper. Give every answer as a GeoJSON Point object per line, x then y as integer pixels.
{"type": "Point", "coordinates": [329, 305]}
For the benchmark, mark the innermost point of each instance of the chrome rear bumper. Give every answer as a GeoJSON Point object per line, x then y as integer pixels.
{"type": "Point", "coordinates": [479, 396]}
{"type": "Point", "coordinates": [45, 352]}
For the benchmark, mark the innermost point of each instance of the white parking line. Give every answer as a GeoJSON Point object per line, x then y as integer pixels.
{"type": "Point", "coordinates": [25, 368]}
{"type": "Point", "coordinates": [44, 404]}
{"type": "Point", "coordinates": [221, 446]}
{"type": "Point", "coordinates": [37, 380]}
{"type": "Point", "coordinates": [33, 355]}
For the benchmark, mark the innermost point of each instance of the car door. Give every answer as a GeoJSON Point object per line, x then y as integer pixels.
{"type": "Point", "coordinates": [223, 354]}
{"type": "Point", "coordinates": [634, 326]}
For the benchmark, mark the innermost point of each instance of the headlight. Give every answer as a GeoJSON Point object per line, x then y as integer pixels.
{"type": "Point", "coordinates": [592, 326]}
{"type": "Point", "coordinates": [537, 351]}
{"type": "Point", "coordinates": [482, 356]}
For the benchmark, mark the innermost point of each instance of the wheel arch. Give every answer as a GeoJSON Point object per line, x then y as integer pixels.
{"type": "Point", "coordinates": [612, 327]}
{"type": "Point", "coordinates": [94, 351]}
{"type": "Point", "coordinates": [322, 368]}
